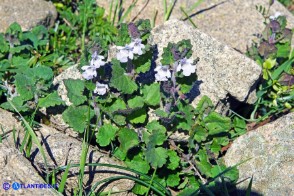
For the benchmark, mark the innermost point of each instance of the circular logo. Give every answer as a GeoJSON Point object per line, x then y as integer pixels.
{"type": "Point", "coordinates": [6, 186]}
{"type": "Point", "coordinates": [16, 186]}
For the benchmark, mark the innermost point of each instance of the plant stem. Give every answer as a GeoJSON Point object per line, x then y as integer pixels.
{"type": "Point", "coordinates": [151, 181]}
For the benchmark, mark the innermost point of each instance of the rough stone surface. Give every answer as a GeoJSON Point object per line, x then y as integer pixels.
{"type": "Point", "coordinates": [271, 148]}
{"type": "Point", "coordinates": [28, 13]}
{"type": "Point", "coordinates": [15, 168]}
{"type": "Point", "coordinates": [233, 22]}
{"type": "Point", "coordinates": [61, 149]}
{"type": "Point", "coordinates": [222, 70]}
{"type": "Point", "coordinates": [70, 73]}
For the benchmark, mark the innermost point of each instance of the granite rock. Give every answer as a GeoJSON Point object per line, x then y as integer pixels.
{"type": "Point", "coordinates": [60, 150]}
{"type": "Point", "coordinates": [14, 167]}
{"type": "Point", "coordinates": [271, 149]}
{"type": "Point", "coordinates": [234, 22]}
{"type": "Point", "coordinates": [27, 14]}
{"type": "Point", "coordinates": [223, 72]}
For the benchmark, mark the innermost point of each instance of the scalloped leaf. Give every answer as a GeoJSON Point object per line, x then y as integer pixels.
{"type": "Point", "coordinates": [157, 157]}
{"type": "Point", "coordinates": [128, 139]}
{"type": "Point", "coordinates": [25, 86]}
{"type": "Point", "coordinates": [151, 94]}
{"type": "Point", "coordinates": [50, 100]}
{"type": "Point", "coordinates": [75, 90]}
{"type": "Point", "coordinates": [106, 134]}
{"type": "Point", "coordinates": [120, 81]}
{"type": "Point", "coordinates": [216, 123]}
{"type": "Point", "coordinates": [77, 117]}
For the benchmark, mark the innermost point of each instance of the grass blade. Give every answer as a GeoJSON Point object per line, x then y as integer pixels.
{"type": "Point", "coordinates": [169, 11]}
{"type": "Point", "coordinates": [164, 7]}
{"type": "Point", "coordinates": [248, 190]}
{"type": "Point", "coordinates": [154, 19]}
{"type": "Point", "coordinates": [110, 11]}
{"type": "Point", "coordinates": [34, 137]}
{"type": "Point", "coordinates": [196, 4]}
{"type": "Point", "coordinates": [130, 8]}
{"type": "Point", "coordinates": [187, 16]}
{"type": "Point", "coordinates": [151, 182]}
{"type": "Point", "coordinates": [111, 179]}
{"type": "Point", "coordinates": [63, 179]}
{"type": "Point", "coordinates": [284, 67]}
{"type": "Point", "coordinates": [115, 12]}
{"type": "Point", "coordinates": [118, 167]}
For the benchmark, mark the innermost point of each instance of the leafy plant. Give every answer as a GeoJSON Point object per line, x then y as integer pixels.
{"type": "Point", "coordinates": [123, 92]}
{"type": "Point", "coordinates": [273, 54]}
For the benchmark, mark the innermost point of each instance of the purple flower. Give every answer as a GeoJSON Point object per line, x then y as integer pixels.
{"type": "Point", "coordinates": [163, 73]}
{"type": "Point", "coordinates": [101, 89]}
{"type": "Point", "coordinates": [124, 53]}
{"type": "Point", "coordinates": [186, 65]}
{"type": "Point", "coordinates": [137, 46]}
{"type": "Point", "coordinates": [90, 70]}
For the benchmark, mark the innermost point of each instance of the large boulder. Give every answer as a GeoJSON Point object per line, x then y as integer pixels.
{"type": "Point", "coordinates": [223, 71]}
{"type": "Point", "coordinates": [233, 22]}
{"type": "Point", "coordinates": [60, 150]}
{"type": "Point", "coordinates": [14, 167]}
{"type": "Point", "coordinates": [271, 149]}
{"type": "Point", "coordinates": [28, 13]}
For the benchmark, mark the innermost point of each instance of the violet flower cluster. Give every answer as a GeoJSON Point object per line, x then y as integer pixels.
{"type": "Point", "coordinates": [185, 65]}
{"type": "Point", "coordinates": [125, 53]}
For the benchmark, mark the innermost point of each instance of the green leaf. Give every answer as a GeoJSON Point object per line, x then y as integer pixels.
{"type": "Point", "coordinates": [174, 160]}
{"type": "Point", "coordinates": [269, 63]}
{"type": "Point", "coordinates": [138, 116]}
{"type": "Point", "coordinates": [188, 192]}
{"type": "Point", "coordinates": [42, 72]}
{"type": "Point", "coordinates": [50, 100]}
{"type": "Point", "coordinates": [144, 67]}
{"type": "Point", "coordinates": [215, 147]}
{"type": "Point", "coordinates": [14, 29]}
{"type": "Point", "coordinates": [151, 94]}
{"type": "Point", "coordinates": [216, 123]}
{"type": "Point", "coordinates": [138, 164]}
{"type": "Point", "coordinates": [128, 139]}
{"type": "Point", "coordinates": [154, 125]}
{"type": "Point", "coordinates": [205, 168]}
{"type": "Point", "coordinates": [25, 86]}
{"type": "Point", "coordinates": [136, 102]}
{"type": "Point", "coordinates": [161, 113]}
{"type": "Point", "coordinates": [139, 189]}
{"type": "Point", "coordinates": [123, 37]}
{"type": "Point", "coordinates": [167, 56]}
{"type": "Point", "coordinates": [4, 45]}
{"type": "Point", "coordinates": [239, 125]}
{"type": "Point", "coordinates": [222, 140]}
{"type": "Point", "coordinates": [202, 155]}
{"type": "Point", "coordinates": [156, 156]}
{"type": "Point", "coordinates": [119, 104]}
{"type": "Point", "coordinates": [143, 63]}
{"type": "Point", "coordinates": [204, 104]}
{"type": "Point", "coordinates": [106, 134]}
{"type": "Point", "coordinates": [75, 90]}
{"type": "Point", "coordinates": [173, 180]}
{"type": "Point", "coordinates": [119, 119]}
{"type": "Point", "coordinates": [156, 138]}
{"type": "Point", "coordinates": [17, 102]}
{"type": "Point", "coordinates": [284, 67]}
{"type": "Point", "coordinates": [120, 81]}
{"type": "Point", "coordinates": [200, 134]}
{"type": "Point", "coordinates": [283, 50]}
{"type": "Point", "coordinates": [77, 117]}
{"type": "Point", "coordinates": [118, 153]}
